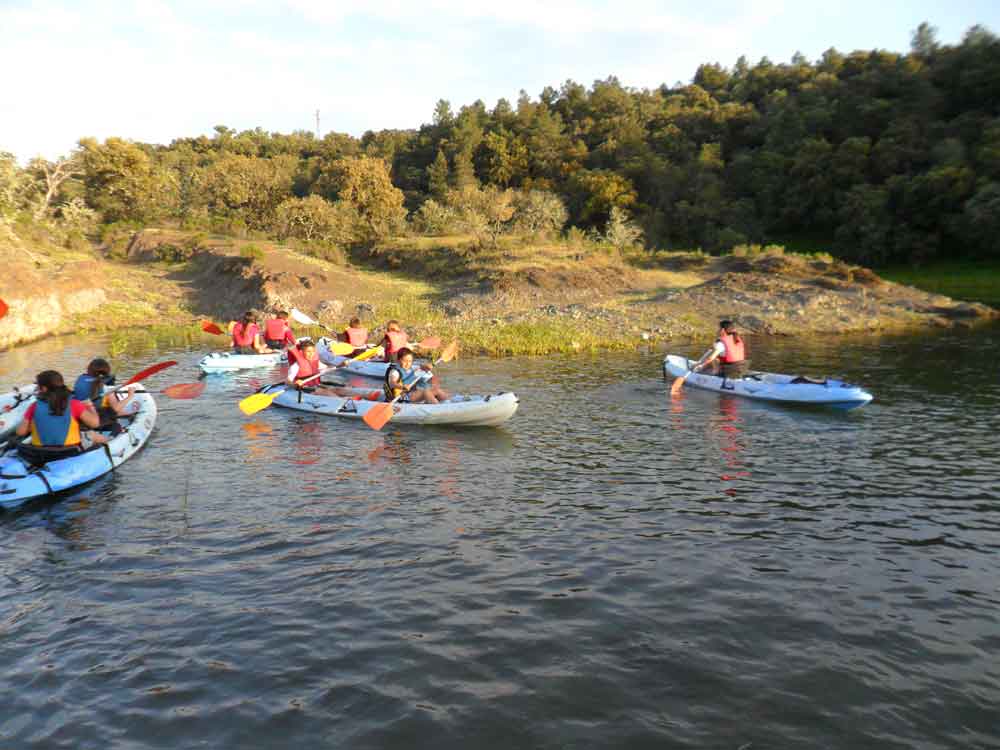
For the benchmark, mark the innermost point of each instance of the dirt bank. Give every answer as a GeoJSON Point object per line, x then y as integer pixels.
{"type": "Point", "coordinates": [517, 297]}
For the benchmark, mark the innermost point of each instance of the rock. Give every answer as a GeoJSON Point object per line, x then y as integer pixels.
{"type": "Point", "coordinates": [331, 307]}
{"type": "Point", "coordinates": [365, 310]}
{"type": "Point", "coordinates": [451, 311]}
{"type": "Point", "coordinates": [645, 336]}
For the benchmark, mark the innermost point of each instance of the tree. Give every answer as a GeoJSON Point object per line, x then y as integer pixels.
{"type": "Point", "coordinates": [924, 42]}
{"type": "Point", "coordinates": [53, 175]}
{"type": "Point", "coordinates": [620, 231]}
{"type": "Point", "coordinates": [364, 183]}
{"type": "Point", "coordinates": [539, 212]}
{"type": "Point", "coordinates": [120, 180]}
{"type": "Point", "coordinates": [483, 212]}
{"type": "Point", "coordinates": [437, 176]}
{"type": "Point", "coordinates": [249, 187]}
{"type": "Point", "coordinates": [315, 218]}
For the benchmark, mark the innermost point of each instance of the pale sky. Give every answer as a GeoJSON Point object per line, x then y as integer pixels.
{"type": "Point", "coordinates": [153, 70]}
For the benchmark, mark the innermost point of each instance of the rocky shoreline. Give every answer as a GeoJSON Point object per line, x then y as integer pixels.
{"type": "Point", "coordinates": [568, 304]}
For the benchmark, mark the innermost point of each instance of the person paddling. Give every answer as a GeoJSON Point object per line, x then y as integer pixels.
{"type": "Point", "coordinates": [356, 336]}
{"type": "Point", "coordinates": [306, 365]}
{"type": "Point", "coordinates": [54, 420]}
{"type": "Point", "coordinates": [246, 336]}
{"type": "Point", "coordinates": [728, 352]}
{"type": "Point", "coordinates": [90, 387]}
{"type": "Point", "coordinates": [277, 332]}
{"type": "Point", "coordinates": [404, 380]}
{"type": "Point", "coordinates": [394, 340]}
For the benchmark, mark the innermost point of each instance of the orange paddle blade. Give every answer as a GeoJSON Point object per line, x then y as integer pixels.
{"type": "Point", "coordinates": [3, 308]}
{"type": "Point", "coordinates": [677, 385]}
{"type": "Point", "coordinates": [431, 342]}
{"type": "Point", "coordinates": [450, 352]}
{"type": "Point", "coordinates": [149, 371]}
{"type": "Point", "coordinates": [209, 327]}
{"type": "Point", "coordinates": [378, 415]}
{"type": "Point", "coordinates": [184, 390]}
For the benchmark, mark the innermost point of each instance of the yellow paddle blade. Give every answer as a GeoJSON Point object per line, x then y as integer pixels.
{"type": "Point", "coordinates": [368, 354]}
{"type": "Point", "coordinates": [258, 401]}
{"type": "Point", "coordinates": [378, 415]}
{"type": "Point", "coordinates": [450, 352]}
{"type": "Point", "coordinates": [341, 348]}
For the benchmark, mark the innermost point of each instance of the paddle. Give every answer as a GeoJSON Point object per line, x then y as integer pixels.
{"type": "Point", "coordinates": [678, 383]}
{"type": "Point", "coordinates": [377, 416]}
{"type": "Point", "coordinates": [367, 354]}
{"type": "Point", "coordinates": [147, 372]}
{"type": "Point", "coordinates": [209, 327]}
{"type": "Point", "coordinates": [3, 308]}
{"type": "Point", "coordinates": [184, 390]}
{"type": "Point", "coordinates": [260, 401]}
{"type": "Point", "coordinates": [300, 317]}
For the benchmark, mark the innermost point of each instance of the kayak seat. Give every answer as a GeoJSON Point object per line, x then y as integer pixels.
{"type": "Point", "coordinates": [805, 380]}
{"type": "Point", "coordinates": [39, 455]}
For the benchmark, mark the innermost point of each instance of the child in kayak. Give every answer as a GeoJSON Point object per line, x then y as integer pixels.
{"type": "Point", "coordinates": [277, 333]}
{"type": "Point", "coordinates": [356, 336]}
{"type": "Point", "coordinates": [54, 420]}
{"type": "Point", "coordinates": [246, 336]}
{"type": "Point", "coordinates": [404, 380]}
{"type": "Point", "coordinates": [728, 353]}
{"type": "Point", "coordinates": [90, 387]}
{"type": "Point", "coordinates": [394, 340]}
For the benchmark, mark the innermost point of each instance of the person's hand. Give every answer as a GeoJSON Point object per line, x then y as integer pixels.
{"type": "Point", "coordinates": [427, 367]}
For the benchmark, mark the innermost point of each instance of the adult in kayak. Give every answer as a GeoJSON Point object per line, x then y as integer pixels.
{"type": "Point", "coordinates": [56, 419]}
{"type": "Point", "coordinates": [90, 387]}
{"type": "Point", "coordinates": [403, 380]}
{"type": "Point", "coordinates": [246, 336]}
{"type": "Point", "coordinates": [728, 355]}
{"type": "Point", "coordinates": [356, 336]}
{"type": "Point", "coordinates": [277, 333]}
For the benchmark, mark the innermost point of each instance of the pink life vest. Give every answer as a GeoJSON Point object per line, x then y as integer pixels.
{"type": "Point", "coordinates": [397, 340]}
{"type": "Point", "coordinates": [244, 335]}
{"type": "Point", "coordinates": [734, 348]}
{"type": "Point", "coordinates": [356, 336]}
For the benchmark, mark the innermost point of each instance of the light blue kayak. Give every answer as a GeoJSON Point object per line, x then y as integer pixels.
{"type": "Point", "coordinates": [769, 386]}
{"type": "Point", "coordinates": [13, 405]}
{"type": "Point", "coordinates": [230, 361]}
{"type": "Point", "coordinates": [20, 481]}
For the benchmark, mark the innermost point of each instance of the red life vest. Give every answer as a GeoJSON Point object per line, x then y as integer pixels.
{"type": "Point", "coordinates": [734, 349]}
{"type": "Point", "coordinates": [397, 340]}
{"type": "Point", "coordinates": [356, 336]}
{"type": "Point", "coordinates": [244, 335]}
{"type": "Point", "coordinates": [275, 329]}
{"type": "Point", "coordinates": [307, 367]}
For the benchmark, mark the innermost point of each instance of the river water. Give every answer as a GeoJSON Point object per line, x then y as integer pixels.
{"type": "Point", "coordinates": [614, 569]}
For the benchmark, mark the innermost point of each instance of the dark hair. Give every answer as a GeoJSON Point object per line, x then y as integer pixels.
{"type": "Point", "coordinates": [303, 343]}
{"type": "Point", "coordinates": [355, 322]}
{"type": "Point", "coordinates": [282, 314]}
{"type": "Point", "coordinates": [100, 371]}
{"type": "Point", "coordinates": [249, 317]}
{"type": "Point", "coordinates": [56, 393]}
{"type": "Point", "coordinates": [403, 352]}
{"type": "Point", "coordinates": [729, 327]}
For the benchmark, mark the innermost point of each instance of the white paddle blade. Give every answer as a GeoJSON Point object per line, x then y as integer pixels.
{"type": "Point", "coordinates": [300, 317]}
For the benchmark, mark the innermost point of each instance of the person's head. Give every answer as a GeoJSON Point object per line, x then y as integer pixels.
{"type": "Point", "coordinates": [282, 315]}
{"type": "Point", "coordinates": [355, 322]}
{"type": "Point", "coordinates": [249, 317]}
{"type": "Point", "coordinates": [726, 326]}
{"type": "Point", "coordinates": [52, 389]}
{"type": "Point", "coordinates": [392, 325]}
{"type": "Point", "coordinates": [308, 348]}
{"type": "Point", "coordinates": [99, 368]}
{"type": "Point", "coordinates": [405, 357]}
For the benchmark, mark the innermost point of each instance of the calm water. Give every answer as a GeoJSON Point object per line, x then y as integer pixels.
{"type": "Point", "coordinates": [613, 569]}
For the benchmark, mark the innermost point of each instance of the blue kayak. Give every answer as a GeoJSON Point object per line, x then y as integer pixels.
{"type": "Point", "coordinates": [21, 481]}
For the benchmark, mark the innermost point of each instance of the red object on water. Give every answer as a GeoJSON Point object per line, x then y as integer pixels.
{"type": "Point", "coordinates": [184, 390]}
{"type": "Point", "coordinates": [149, 371]}
{"type": "Point", "coordinates": [3, 308]}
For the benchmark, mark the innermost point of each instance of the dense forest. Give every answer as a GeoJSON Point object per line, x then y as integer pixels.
{"type": "Point", "coordinates": [876, 156]}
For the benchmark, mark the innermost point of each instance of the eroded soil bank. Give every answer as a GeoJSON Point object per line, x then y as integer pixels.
{"type": "Point", "coordinates": [515, 298]}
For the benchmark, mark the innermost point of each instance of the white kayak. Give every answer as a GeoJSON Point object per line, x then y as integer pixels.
{"type": "Point", "coordinates": [768, 386]}
{"type": "Point", "coordinates": [21, 481]}
{"type": "Point", "coordinates": [464, 411]}
{"type": "Point", "coordinates": [369, 368]}
{"type": "Point", "coordinates": [229, 361]}
{"type": "Point", "coordinates": [13, 405]}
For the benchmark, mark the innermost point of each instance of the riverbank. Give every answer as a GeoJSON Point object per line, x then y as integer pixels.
{"type": "Point", "coordinates": [518, 297]}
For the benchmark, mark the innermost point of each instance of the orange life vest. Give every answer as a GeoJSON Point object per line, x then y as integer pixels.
{"type": "Point", "coordinates": [356, 336]}
{"type": "Point", "coordinates": [397, 340]}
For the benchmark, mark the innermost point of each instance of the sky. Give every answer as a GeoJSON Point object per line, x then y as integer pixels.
{"type": "Point", "coordinates": [153, 70]}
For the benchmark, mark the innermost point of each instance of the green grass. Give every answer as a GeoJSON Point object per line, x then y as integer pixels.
{"type": "Point", "coordinates": [972, 281]}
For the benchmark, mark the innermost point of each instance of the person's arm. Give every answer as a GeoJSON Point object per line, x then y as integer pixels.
{"type": "Point", "coordinates": [24, 428]}
{"type": "Point", "coordinates": [85, 413]}
{"type": "Point", "coordinates": [708, 357]}
{"type": "Point", "coordinates": [293, 371]}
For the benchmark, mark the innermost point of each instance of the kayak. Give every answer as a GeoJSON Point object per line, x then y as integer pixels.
{"type": "Point", "coordinates": [229, 361]}
{"type": "Point", "coordinates": [368, 368]}
{"type": "Point", "coordinates": [768, 386]}
{"type": "Point", "coordinates": [464, 411]}
{"type": "Point", "coordinates": [20, 481]}
{"type": "Point", "coordinates": [13, 405]}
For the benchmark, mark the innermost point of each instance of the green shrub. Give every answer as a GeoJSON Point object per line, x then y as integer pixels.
{"type": "Point", "coordinates": [252, 251]}
{"type": "Point", "coordinates": [168, 253]}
